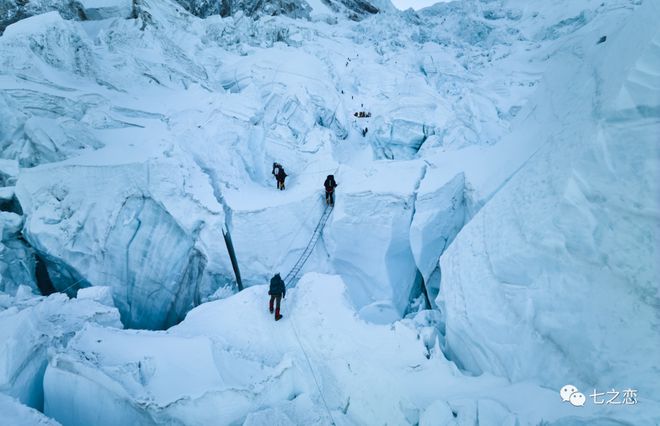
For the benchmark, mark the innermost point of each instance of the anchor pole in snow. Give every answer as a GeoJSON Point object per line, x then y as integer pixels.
{"type": "Point", "coordinates": [232, 257]}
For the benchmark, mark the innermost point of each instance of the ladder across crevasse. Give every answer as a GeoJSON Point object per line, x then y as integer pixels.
{"type": "Point", "coordinates": [292, 276]}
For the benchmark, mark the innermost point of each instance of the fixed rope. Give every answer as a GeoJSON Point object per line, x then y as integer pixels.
{"type": "Point", "coordinates": [316, 380]}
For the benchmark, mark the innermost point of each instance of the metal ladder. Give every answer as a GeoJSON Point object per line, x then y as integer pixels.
{"type": "Point", "coordinates": [292, 276]}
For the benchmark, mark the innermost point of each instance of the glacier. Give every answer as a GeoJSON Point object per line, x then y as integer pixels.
{"type": "Point", "coordinates": [546, 267]}
{"type": "Point", "coordinates": [494, 235]}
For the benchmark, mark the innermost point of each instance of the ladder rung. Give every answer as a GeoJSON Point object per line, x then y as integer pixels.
{"type": "Point", "coordinates": [297, 267]}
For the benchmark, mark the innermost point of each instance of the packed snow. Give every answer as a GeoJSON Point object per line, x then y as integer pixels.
{"type": "Point", "coordinates": [493, 239]}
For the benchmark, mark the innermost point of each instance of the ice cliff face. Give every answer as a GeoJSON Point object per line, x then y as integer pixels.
{"type": "Point", "coordinates": [554, 280]}
{"type": "Point", "coordinates": [132, 242]}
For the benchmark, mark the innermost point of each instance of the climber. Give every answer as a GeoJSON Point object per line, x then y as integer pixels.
{"type": "Point", "coordinates": [276, 171]}
{"type": "Point", "coordinates": [277, 292]}
{"type": "Point", "coordinates": [330, 186]}
{"type": "Point", "coordinates": [364, 131]}
{"type": "Point", "coordinates": [280, 175]}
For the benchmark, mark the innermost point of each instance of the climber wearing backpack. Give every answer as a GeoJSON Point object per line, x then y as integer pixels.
{"type": "Point", "coordinates": [330, 186]}
{"type": "Point", "coordinates": [277, 291]}
{"type": "Point", "coordinates": [280, 178]}
{"type": "Point", "coordinates": [275, 172]}
{"type": "Point", "coordinates": [280, 175]}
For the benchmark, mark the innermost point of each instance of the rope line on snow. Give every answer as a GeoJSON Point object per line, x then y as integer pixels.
{"type": "Point", "coordinates": [311, 369]}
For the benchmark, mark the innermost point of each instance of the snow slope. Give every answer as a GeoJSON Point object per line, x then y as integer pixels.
{"type": "Point", "coordinates": [555, 279]}
{"type": "Point", "coordinates": [228, 362]}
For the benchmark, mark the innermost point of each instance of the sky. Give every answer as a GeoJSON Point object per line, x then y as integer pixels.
{"type": "Point", "coordinates": [415, 4]}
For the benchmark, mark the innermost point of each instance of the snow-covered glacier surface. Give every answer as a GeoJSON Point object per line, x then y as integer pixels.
{"type": "Point", "coordinates": [494, 234]}
{"type": "Point", "coordinates": [211, 370]}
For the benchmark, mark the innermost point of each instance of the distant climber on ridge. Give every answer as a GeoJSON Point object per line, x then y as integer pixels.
{"type": "Point", "coordinates": [277, 291]}
{"type": "Point", "coordinates": [330, 186]}
{"type": "Point", "coordinates": [280, 175]}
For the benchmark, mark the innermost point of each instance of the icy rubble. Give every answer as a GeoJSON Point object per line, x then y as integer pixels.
{"type": "Point", "coordinates": [13, 11]}
{"type": "Point", "coordinates": [30, 327]}
{"type": "Point", "coordinates": [40, 122]}
{"type": "Point", "coordinates": [17, 263]}
{"type": "Point", "coordinates": [354, 9]}
{"type": "Point", "coordinates": [555, 279]}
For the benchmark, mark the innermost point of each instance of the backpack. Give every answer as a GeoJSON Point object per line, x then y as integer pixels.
{"type": "Point", "coordinates": [330, 183]}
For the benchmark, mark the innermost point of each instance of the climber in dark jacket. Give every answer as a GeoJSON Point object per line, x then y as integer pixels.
{"type": "Point", "coordinates": [330, 186]}
{"type": "Point", "coordinates": [280, 178]}
{"type": "Point", "coordinates": [280, 175]}
{"type": "Point", "coordinates": [277, 291]}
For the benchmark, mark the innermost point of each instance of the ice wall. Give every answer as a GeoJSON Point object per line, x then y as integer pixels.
{"type": "Point", "coordinates": [126, 226]}
{"type": "Point", "coordinates": [367, 237]}
{"type": "Point", "coordinates": [555, 279]}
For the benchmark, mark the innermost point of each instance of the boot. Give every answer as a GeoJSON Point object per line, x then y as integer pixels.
{"type": "Point", "coordinates": [277, 314]}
